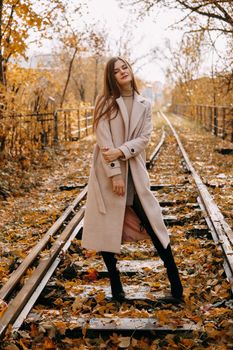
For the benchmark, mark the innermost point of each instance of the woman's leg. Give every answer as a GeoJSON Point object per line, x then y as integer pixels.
{"type": "Point", "coordinates": [114, 276]}
{"type": "Point", "coordinates": [165, 254]}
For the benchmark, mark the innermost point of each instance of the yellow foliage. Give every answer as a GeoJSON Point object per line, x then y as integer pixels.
{"type": "Point", "coordinates": [17, 19]}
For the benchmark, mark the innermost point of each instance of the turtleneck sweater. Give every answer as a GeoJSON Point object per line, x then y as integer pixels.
{"type": "Point", "coordinates": [128, 100]}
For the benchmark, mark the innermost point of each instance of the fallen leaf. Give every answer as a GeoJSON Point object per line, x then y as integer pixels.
{"type": "Point", "coordinates": [49, 344]}
{"type": "Point", "coordinates": [124, 342]}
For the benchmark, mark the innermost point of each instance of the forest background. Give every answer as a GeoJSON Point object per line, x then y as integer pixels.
{"type": "Point", "coordinates": [196, 71]}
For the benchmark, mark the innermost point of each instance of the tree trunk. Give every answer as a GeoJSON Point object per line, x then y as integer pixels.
{"type": "Point", "coordinates": [82, 92]}
{"type": "Point", "coordinates": [2, 77]}
{"type": "Point", "coordinates": [96, 79]}
{"type": "Point", "coordinates": [68, 77]}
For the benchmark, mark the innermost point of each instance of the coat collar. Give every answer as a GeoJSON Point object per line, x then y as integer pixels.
{"type": "Point", "coordinates": [138, 109]}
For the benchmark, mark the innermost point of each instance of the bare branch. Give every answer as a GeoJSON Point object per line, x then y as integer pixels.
{"type": "Point", "coordinates": [227, 16]}
{"type": "Point", "coordinates": [198, 10]}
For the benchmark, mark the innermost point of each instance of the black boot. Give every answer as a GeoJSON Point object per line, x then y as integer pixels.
{"type": "Point", "coordinates": [173, 274]}
{"type": "Point", "coordinates": [165, 254]}
{"type": "Point", "coordinates": [176, 286]}
{"type": "Point", "coordinates": [114, 276]}
{"type": "Point", "coordinates": [172, 271]}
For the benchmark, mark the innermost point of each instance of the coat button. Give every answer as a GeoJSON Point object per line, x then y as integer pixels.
{"type": "Point", "coordinates": [112, 165]}
{"type": "Point", "coordinates": [132, 150]}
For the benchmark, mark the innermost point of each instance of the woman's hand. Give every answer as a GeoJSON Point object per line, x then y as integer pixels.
{"type": "Point", "coordinates": [111, 154]}
{"type": "Point", "coordinates": [118, 185]}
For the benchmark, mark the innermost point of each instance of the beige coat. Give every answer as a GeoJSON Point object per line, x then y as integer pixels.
{"type": "Point", "coordinates": [105, 210]}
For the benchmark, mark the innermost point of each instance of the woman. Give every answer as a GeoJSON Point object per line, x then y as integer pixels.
{"type": "Point", "coordinates": [118, 176]}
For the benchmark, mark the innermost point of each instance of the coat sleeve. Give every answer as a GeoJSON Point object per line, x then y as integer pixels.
{"type": "Point", "coordinates": [104, 139]}
{"type": "Point", "coordinates": [135, 146]}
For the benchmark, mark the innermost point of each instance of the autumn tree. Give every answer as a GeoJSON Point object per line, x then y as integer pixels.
{"type": "Point", "coordinates": [184, 63]}
{"type": "Point", "coordinates": [82, 68]}
{"type": "Point", "coordinates": [97, 45]}
{"type": "Point", "coordinates": [186, 58]}
{"type": "Point", "coordinates": [87, 49]}
{"type": "Point", "coordinates": [211, 17]}
{"type": "Point", "coordinates": [221, 11]}
{"type": "Point", "coordinates": [79, 40]}
{"type": "Point", "coordinates": [18, 18]}
{"type": "Point", "coordinates": [125, 46]}
{"type": "Point", "coordinates": [31, 90]}
{"type": "Point", "coordinates": [73, 45]}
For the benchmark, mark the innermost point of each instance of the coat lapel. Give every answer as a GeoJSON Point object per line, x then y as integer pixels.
{"type": "Point", "coordinates": [137, 111]}
{"type": "Point", "coordinates": [124, 114]}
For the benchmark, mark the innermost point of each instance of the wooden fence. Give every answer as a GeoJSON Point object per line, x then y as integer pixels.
{"type": "Point", "coordinates": [22, 134]}
{"type": "Point", "coordinates": [72, 124]}
{"type": "Point", "coordinates": [216, 119]}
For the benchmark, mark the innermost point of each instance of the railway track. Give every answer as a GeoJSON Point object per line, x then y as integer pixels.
{"type": "Point", "coordinates": [66, 285]}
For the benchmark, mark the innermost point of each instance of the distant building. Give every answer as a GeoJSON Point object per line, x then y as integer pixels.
{"type": "Point", "coordinates": [154, 92]}
{"type": "Point", "coordinates": [43, 61]}
{"type": "Point", "coordinates": [148, 92]}
{"type": "Point", "coordinates": [39, 61]}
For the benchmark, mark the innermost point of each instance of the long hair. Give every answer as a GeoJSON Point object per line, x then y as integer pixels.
{"type": "Point", "coordinates": [106, 104]}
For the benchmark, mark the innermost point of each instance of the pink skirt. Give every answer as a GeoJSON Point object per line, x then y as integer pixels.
{"type": "Point", "coordinates": [133, 231]}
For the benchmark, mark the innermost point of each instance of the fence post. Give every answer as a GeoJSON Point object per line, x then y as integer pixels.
{"type": "Point", "coordinates": [2, 143]}
{"type": "Point", "coordinates": [206, 117]}
{"type": "Point", "coordinates": [44, 139]}
{"type": "Point", "coordinates": [223, 122]}
{"type": "Point", "coordinates": [65, 126]}
{"type": "Point", "coordinates": [86, 120]}
{"type": "Point", "coordinates": [215, 121]}
{"type": "Point", "coordinates": [231, 126]}
{"type": "Point", "coordinates": [55, 128]}
{"type": "Point", "coordinates": [78, 115]}
{"type": "Point", "coordinates": [44, 136]}
{"type": "Point", "coordinates": [69, 126]}
{"type": "Point", "coordinates": [209, 118]}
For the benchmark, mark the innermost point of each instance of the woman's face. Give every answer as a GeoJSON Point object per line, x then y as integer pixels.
{"type": "Point", "coordinates": [122, 74]}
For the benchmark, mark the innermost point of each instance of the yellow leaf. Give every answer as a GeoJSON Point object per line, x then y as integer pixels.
{"type": "Point", "coordinates": [49, 344]}
{"type": "Point", "coordinates": [124, 342]}
{"type": "Point", "coordinates": [100, 296]}
{"type": "Point", "coordinates": [22, 341]}
{"type": "Point", "coordinates": [3, 307]}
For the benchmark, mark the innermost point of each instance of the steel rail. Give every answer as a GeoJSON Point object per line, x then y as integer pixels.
{"type": "Point", "coordinates": [19, 272]}
{"type": "Point", "coordinates": [20, 306]}
{"type": "Point", "coordinates": [155, 153]}
{"type": "Point", "coordinates": [223, 235]}
{"type": "Point", "coordinates": [31, 301]}
{"type": "Point", "coordinates": [17, 304]}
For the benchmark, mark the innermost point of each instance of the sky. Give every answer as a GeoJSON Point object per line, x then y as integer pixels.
{"type": "Point", "coordinates": [149, 33]}
{"type": "Point", "coordinates": [146, 34]}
